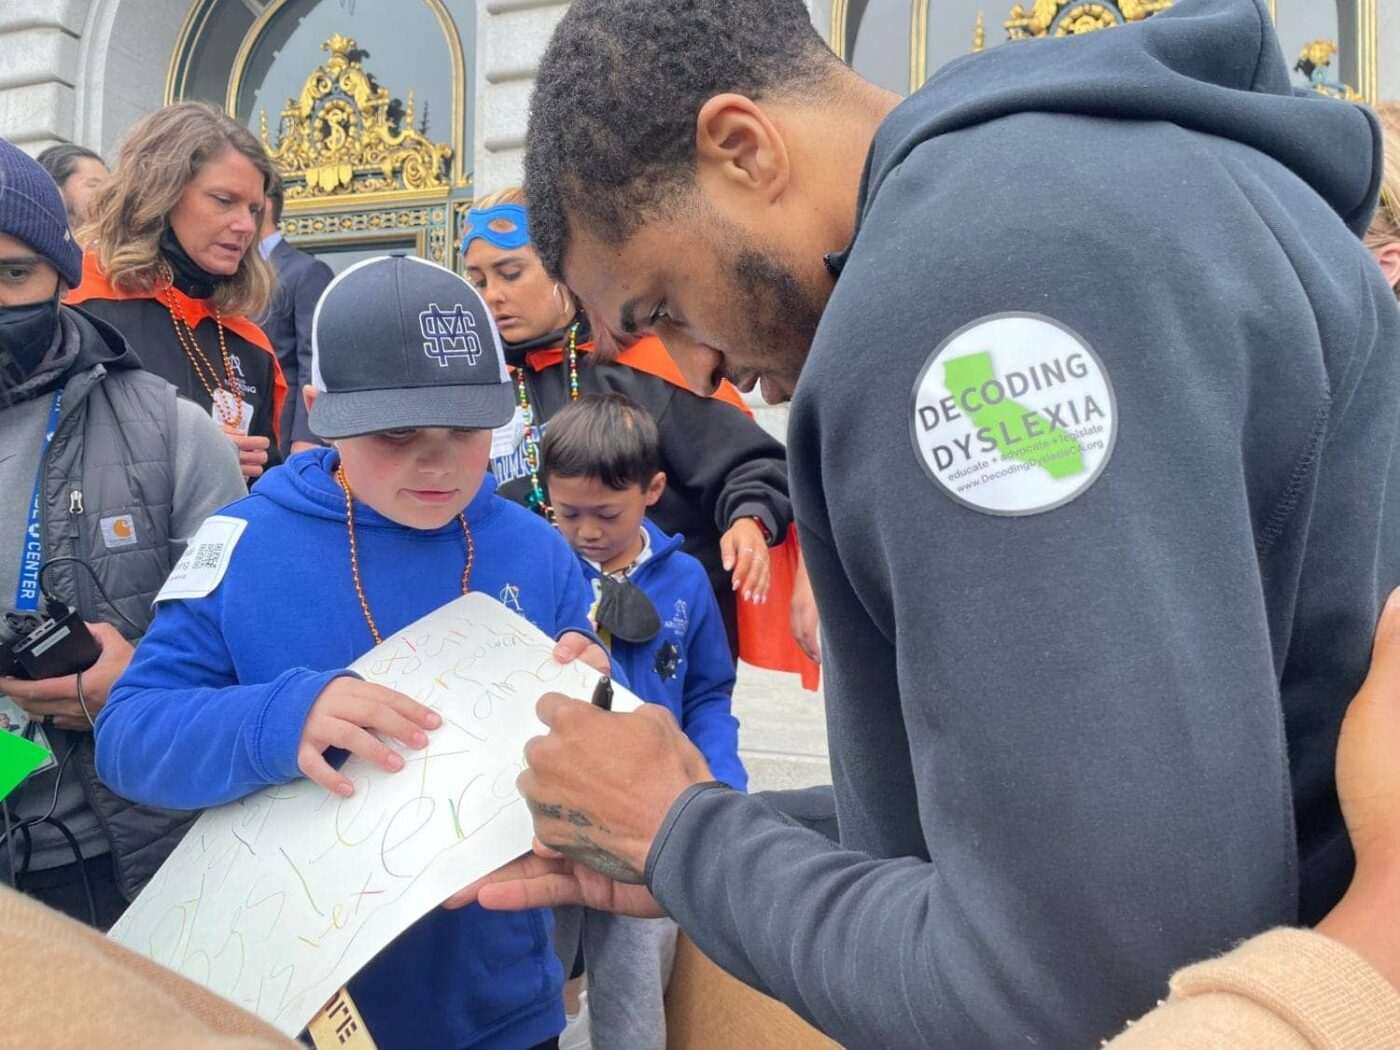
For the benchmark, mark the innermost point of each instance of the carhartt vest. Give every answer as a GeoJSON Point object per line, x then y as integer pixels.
{"type": "Point", "coordinates": [108, 494]}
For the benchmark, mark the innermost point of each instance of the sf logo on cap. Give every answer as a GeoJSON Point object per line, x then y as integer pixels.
{"type": "Point", "coordinates": [449, 334]}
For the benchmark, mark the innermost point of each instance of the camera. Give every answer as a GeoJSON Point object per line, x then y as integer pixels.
{"type": "Point", "coordinates": [49, 643]}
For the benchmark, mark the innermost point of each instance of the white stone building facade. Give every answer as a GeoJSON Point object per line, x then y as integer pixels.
{"type": "Point", "coordinates": [84, 70]}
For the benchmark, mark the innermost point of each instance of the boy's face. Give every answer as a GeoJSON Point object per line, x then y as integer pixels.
{"type": "Point", "coordinates": [418, 478]}
{"type": "Point", "coordinates": [602, 523]}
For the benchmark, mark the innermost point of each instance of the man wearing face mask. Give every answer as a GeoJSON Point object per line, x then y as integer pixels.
{"type": "Point", "coordinates": [102, 463]}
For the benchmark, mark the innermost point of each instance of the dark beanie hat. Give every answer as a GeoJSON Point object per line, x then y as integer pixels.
{"type": "Point", "coordinates": [31, 210]}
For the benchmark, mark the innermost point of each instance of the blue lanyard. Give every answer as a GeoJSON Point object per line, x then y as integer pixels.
{"type": "Point", "coordinates": [31, 552]}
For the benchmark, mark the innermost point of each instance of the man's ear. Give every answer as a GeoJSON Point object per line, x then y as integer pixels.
{"type": "Point", "coordinates": [656, 488]}
{"type": "Point", "coordinates": [309, 394]}
{"type": "Point", "coordinates": [738, 148]}
{"type": "Point", "coordinates": [1389, 257]}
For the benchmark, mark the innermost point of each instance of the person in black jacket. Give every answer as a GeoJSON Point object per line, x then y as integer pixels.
{"type": "Point", "coordinates": [301, 278]}
{"type": "Point", "coordinates": [172, 263]}
{"type": "Point", "coordinates": [726, 491]}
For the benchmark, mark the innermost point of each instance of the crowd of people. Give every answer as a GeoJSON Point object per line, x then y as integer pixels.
{"type": "Point", "coordinates": [1106, 692]}
{"type": "Point", "coordinates": [169, 357]}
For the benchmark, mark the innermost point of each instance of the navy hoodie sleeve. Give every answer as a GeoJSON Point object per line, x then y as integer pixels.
{"type": "Point", "coordinates": [709, 685]}
{"type": "Point", "coordinates": [1058, 740]}
{"type": "Point", "coordinates": [179, 731]}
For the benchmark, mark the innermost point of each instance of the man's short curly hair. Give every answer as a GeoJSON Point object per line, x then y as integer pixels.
{"type": "Point", "coordinates": [612, 121]}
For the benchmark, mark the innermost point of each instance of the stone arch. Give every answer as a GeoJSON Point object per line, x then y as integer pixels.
{"type": "Point", "coordinates": [123, 56]}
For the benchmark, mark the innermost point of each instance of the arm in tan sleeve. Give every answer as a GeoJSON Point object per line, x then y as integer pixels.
{"type": "Point", "coordinates": [69, 988]}
{"type": "Point", "coordinates": [1282, 990]}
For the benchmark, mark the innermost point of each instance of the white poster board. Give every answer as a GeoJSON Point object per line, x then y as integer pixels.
{"type": "Point", "coordinates": [276, 901]}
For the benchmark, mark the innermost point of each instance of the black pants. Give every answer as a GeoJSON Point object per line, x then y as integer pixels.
{"type": "Point", "coordinates": [62, 888]}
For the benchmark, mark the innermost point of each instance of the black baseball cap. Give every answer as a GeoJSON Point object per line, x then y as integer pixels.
{"type": "Point", "coordinates": [398, 343]}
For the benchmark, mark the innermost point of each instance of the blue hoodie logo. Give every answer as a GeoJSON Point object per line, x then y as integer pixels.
{"type": "Point", "coordinates": [510, 597]}
{"type": "Point", "coordinates": [680, 622]}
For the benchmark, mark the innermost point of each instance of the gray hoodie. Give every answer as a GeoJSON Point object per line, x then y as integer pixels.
{"type": "Point", "coordinates": [1091, 460]}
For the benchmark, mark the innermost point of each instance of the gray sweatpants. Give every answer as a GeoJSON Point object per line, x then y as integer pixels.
{"type": "Point", "coordinates": [629, 965]}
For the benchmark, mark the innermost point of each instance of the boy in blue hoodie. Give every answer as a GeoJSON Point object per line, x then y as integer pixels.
{"type": "Point", "coordinates": [656, 611]}
{"type": "Point", "coordinates": [242, 681]}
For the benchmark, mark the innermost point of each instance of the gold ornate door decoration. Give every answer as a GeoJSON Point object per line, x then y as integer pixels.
{"type": "Point", "coordinates": [931, 29]}
{"type": "Point", "coordinates": [1071, 17]}
{"type": "Point", "coordinates": [1342, 63]}
{"type": "Point", "coordinates": [360, 178]}
{"type": "Point", "coordinates": [345, 135]}
{"type": "Point", "coordinates": [1315, 63]}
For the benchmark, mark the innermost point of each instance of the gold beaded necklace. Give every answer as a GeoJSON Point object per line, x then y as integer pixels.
{"type": "Point", "coordinates": [344, 483]}
{"type": "Point", "coordinates": [230, 410]}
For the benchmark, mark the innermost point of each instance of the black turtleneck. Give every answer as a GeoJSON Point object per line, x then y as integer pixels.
{"type": "Point", "coordinates": [188, 276]}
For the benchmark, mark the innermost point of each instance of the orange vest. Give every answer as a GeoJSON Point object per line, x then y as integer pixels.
{"type": "Point", "coordinates": [645, 355]}
{"type": "Point", "coordinates": [96, 286]}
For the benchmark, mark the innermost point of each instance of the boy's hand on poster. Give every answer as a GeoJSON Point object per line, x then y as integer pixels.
{"type": "Point", "coordinates": [252, 452]}
{"type": "Point", "coordinates": [576, 646]}
{"type": "Point", "coordinates": [346, 715]}
{"type": "Point", "coordinates": [57, 698]}
{"type": "Point", "coordinates": [744, 551]}
{"type": "Point", "coordinates": [546, 879]}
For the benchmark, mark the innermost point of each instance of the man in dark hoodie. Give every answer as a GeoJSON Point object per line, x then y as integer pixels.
{"type": "Point", "coordinates": [1091, 457]}
{"type": "Point", "coordinates": [103, 474]}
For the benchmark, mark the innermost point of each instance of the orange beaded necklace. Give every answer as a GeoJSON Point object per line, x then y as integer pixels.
{"type": "Point", "coordinates": [344, 483]}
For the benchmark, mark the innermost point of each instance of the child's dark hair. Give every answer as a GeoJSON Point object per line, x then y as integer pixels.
{"type": "Point", "coordinates": [605, 436]}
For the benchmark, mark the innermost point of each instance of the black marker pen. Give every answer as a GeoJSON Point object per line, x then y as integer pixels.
{"type": "Point", "coordinates": [602, 693]}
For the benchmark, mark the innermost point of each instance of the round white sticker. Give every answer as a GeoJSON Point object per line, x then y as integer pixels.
{"type": "Point", "coordinates": [1014, 414]}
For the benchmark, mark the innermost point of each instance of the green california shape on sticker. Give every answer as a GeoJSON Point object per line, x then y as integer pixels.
{"type": "Point", "coordinates": [1009, 423]}
{"type": "Point", "coordinates": [1013, 414]}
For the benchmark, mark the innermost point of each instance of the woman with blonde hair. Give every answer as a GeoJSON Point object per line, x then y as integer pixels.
{"type": "Point", "coordinates": [1383, 238]}
{"type": "Point", "coordinates": [171, 262]}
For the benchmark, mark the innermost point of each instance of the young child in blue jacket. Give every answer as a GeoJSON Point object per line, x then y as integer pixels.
{"type": "Point", "coordinates": [242, 681]}
{"type": "Point", "coordinates": [655, 610]}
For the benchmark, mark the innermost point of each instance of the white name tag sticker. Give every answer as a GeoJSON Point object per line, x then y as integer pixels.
{"type": "Point", "coordinates": [505, 440]}
{"type": "Point", "coordinates": [230, 411]}
{"type": "Point", "coordinates": [201, 568]}
{"type": "Point", "coordinates": [1013, 415]}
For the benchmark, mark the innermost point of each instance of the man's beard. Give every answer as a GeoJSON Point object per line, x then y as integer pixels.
{"type": "Point", "coordinates": [782, 314]}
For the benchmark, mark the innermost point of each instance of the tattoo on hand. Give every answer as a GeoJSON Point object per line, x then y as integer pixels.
{"type": "Point", "coordinates": [602, 860]}
{"type": "Point", "coordinates": [577, 818]}
{"type": "Point", "coordinates": [583, 849]}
